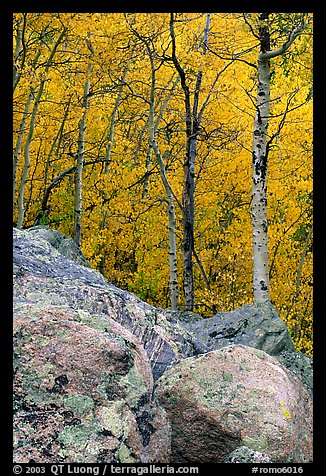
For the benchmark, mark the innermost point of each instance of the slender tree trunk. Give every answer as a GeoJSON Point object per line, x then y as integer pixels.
{"type": "Point", "coordinates": [260, 144]}
{"type": "Point", "coordinates": [173, 272]}
{"type": "Point", "coordinates": [20, 51]}
{"type": "Point", "coordinates": [259, 177]}
{"type": "Point", "coordinates": [27, 162]}
{"type": "Point", "coordinates": [18, 146]}
{"type": "Point", "coordinates": [22, 128]}
{"type": "Point", "coordinates": [188, 223]}
{"type": "Point", "coordinates": [173, 268]}
{"type": "Point", "coordinates": [78, 207]}
{"type": "Point", "coordinates": [157, 122]}
{"type": "Point", "coordinates": [187, 193]}
{"type": "Point", "coordinates": [192, 129]}
{"type": "Point", "coordinates": [31, 132]}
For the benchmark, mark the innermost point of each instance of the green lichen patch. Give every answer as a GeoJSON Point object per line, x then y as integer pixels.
{"type": "Point", "coordinates": [75, 436]}
{"type": "Point", "coordinates": [111, 419]}
{"type": "Point", "coordinates": [135, 386]}
{"type": "Point", "coordinates": [80, 404]}
{"type": "Point", "coordinates": [39, 397]}
{"type": "Point", "coordinates": [94, 321]}
{"type": "Point", "coordinates": [124, 454]}
{"type": "Point", "coordinates": [227, 377]}
{"type": "Point", "coordinates": [258, 443]}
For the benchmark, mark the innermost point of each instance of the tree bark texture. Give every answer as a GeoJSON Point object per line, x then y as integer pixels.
{"type": "Point", "coordinates": [259, 185]}
{"type": "Point", "coordinates": [78, 208]}
{"type": "Point", "coordinates": [157, 123]}
{"type": "Point", "coordinates": [18, 146]}
{"type": "Point", "coordinates": [78, 205]}
{"type": "Point", "coordinates": [31, 130]}
{"type": "Point", "coordinates": [192, 130]}
{"type": "Point", "coordinates": [27, 160]}
{"type": "Point", "coordinates": [261, 287]}
{"type": "Point", "coordinates": [173, 269]}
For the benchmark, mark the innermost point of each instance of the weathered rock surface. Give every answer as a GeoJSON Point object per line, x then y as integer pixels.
{"type": "Point", "coordinates": [243, 454]}
{"type": "Point", "coordinates": [83, 390]}
{"type": "Point", "coordinates": [41, 253]}
{"type": "Point", "coordinates": [86, 355]}
{"type": "Point", "coordinates": [254, 325]}
{"type": "Point", "coordinates": [300, 364]}
{"type": "Point", "coordinates": [66, 246]}
{"type": "Point", "coordinates": [44, 275]}
{"type": "Point", "coordinates": [236, 396]}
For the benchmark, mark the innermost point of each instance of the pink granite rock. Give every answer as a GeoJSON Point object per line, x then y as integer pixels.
{"type": "Point", "coordinates": [236, 396]}
{"type": "Point", "coordinates": [83, 391]}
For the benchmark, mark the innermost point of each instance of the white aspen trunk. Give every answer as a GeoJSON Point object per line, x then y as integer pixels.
{"type": "Point", "coordinates": [78, 182]}
{"type": "Point", "coordinates": [157, 122]}
{"type": "Point", "coordinates": [78, 207]}
{"type": "Point", "coordinates": [259, 185]}
{"type": "Point", "coordinates": [18, 146]}
{"type": "Point", "coordinates": [173, 269]}
{"type": "Point", "coordinates": [261, 287]}
{"type": "Point", "coordinates": [27, 162]}
{"type": "Point", "coordinates": [19, 48]}
{"type": "Point", "coordinates": [17, 149]}
{"type": "Point", "coordinates": [114, 113]}
{"type": "Point", "coordinates": [31, 132]}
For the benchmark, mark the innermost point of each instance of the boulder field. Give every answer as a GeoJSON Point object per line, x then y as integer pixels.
{"type": "Point", "coordinates": [101, 376]}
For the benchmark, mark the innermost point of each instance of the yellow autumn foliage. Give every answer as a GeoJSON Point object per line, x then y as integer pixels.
{"type": "Point", "coordinates": [125, 226]}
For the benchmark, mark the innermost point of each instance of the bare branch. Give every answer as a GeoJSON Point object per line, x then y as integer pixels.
{"type": "Point", "coordinates": [282, 49]}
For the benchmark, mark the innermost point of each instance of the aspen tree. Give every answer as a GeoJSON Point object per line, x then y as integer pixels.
{"type": "Point", "coordinates": [110, 141]}
{"type": "Point", "coordinates": [153, 145]}
{"type": "Point", "coordinates": [78, 207]}
{"type": "Point", "coordinates": [18, 145]}
{"type": "Point", "coordinates": [157, 123]}
{"type": "Point", "coordinates": [31, 130]}
{"type": "Point", "coordinates": [20, 49]}
{"type": "Point", "coordinates": [260, 148]}
{"type": "Point", "coordinates": [170, 196]}
{"type": "Point", "coordinates": [192, 130]}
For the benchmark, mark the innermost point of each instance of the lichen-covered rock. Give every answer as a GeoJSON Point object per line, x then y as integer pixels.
{"type": "Point", "coordinates": [83, 391]}
{"type": "Point", "coordinates": [44, 275]}
{"type": "Point", "coordinates": [66, 246]}
{"type": "Point", "coordinates": [49, 268]}
{"type": "Point", "coordinates": [243, 454]}
{"type": "Point", "coordinates": [254, 325]}
{"type": "Point", "coordinates": [236, 396]}
{"type": "Point", "coordinates": [300, 364]}
{"type": "Point", "coordinates": [55, 288]}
